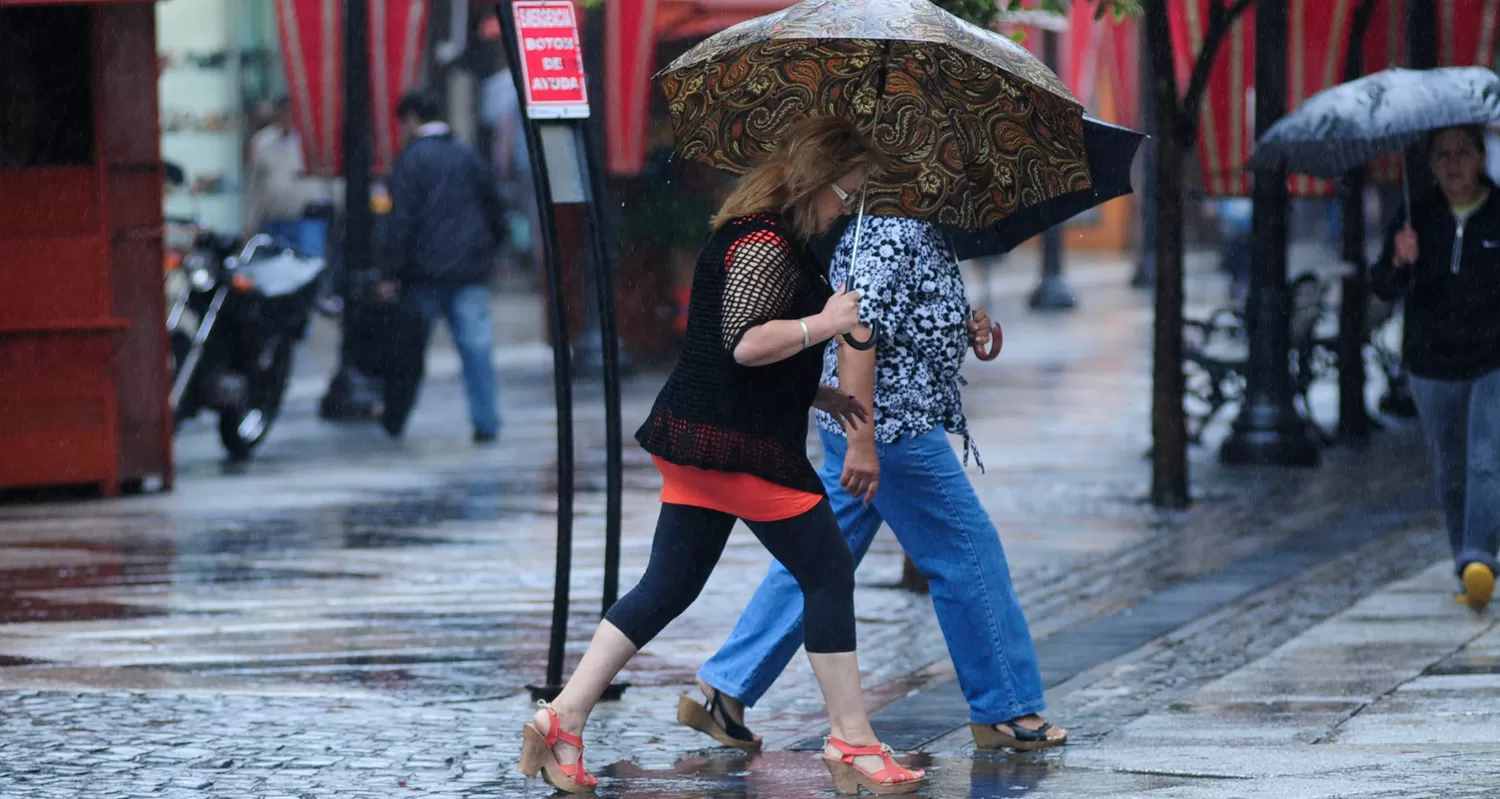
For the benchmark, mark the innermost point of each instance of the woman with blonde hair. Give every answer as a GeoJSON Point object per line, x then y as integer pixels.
{"type": "Point", "coordinates": [729, 434]}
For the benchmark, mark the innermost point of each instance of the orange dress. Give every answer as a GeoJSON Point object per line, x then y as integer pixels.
{"type": "Point", "coordinates": [736, 493]}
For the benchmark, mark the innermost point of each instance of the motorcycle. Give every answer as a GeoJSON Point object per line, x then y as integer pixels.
{"type": "Point", "coordinates": [233, 324]}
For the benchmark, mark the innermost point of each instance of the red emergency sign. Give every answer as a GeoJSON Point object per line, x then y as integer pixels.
{"type": "Point", "coordinates": [551, 59]}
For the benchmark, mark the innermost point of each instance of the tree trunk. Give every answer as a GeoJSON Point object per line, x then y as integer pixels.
{"type": "Point", "coordinates": [1169, 467]}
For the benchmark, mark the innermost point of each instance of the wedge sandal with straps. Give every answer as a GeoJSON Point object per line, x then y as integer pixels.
{"type": "Point", "coordinates": [712, 720]}
{"type": "Point", "coordinates": [538, 755]}
{"type": "Point", "coordinates": [849, 778]}
{"type": "Point", "coordinates": [986, 736]}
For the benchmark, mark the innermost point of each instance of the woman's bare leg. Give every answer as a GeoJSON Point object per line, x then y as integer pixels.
{"type": "Point", "coordinates": [607, 654]}
{"type": "Point", "coordinates": [838, 677]}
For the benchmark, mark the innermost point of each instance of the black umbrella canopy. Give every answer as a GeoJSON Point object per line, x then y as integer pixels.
{"type": "Point", "coordinates": [1350, 124]}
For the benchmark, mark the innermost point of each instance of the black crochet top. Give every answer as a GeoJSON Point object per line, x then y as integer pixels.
{"type": "Point", "coordinates": [713, 412]}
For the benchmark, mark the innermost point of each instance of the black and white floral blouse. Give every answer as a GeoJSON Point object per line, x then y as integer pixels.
{"type": "Point", "coordinates": [913, 287]}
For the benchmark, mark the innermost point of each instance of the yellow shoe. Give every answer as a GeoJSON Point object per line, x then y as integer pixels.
{"type": "Point", "coordinates": [1479, 585]}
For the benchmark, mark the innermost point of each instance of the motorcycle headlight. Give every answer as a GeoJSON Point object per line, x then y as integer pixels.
{"type": "Point", "coordinates": [200, 279]}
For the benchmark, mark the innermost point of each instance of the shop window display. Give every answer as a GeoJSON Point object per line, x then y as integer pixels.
{"type": "Point", "coordinates": [218, 64]}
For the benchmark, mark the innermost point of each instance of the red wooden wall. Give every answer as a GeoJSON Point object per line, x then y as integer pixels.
{"type": "Point", "coordinates": [83, 381]}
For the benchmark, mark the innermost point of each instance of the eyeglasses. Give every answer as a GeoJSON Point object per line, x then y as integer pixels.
{"type": "Point", "coordinates": [846, 197]}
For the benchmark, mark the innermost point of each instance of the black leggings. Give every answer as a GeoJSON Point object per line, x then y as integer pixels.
{"type": "Point", "coordinates": [688, 543]}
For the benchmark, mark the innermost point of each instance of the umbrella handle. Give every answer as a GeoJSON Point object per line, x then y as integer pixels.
{"type": "Point", "coordinates": [869, 343]}
{"type": "Point", "coordinates": [997, 341]}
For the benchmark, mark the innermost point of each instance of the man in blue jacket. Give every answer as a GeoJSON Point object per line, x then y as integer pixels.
{"type": "Point", "coordinates": [445, 229]}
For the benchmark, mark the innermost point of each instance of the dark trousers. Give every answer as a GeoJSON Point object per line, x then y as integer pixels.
{"type": "Point", "coordinates": [688, 543]}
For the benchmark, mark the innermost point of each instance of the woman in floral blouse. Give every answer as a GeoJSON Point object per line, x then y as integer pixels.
{"type": "Point", "coordinates": [913, 288]}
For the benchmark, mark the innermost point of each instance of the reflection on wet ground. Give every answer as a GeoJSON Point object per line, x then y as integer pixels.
{"type": "Point", "coordinates": [355, 617]}
{"type": "Point", "coordinates": [340, 558]}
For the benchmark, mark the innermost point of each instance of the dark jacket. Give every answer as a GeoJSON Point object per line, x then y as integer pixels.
{"type": "Point", "coordinates": [446, 222]}
{"type": "Point", "coordinates": [1452, 297]}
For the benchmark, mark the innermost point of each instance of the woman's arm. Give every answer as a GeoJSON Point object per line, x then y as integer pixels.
{"type": "Point", "coordinates": [758, 290]}
{"type": "Point", "coordinates": [1390, 277]}
{"type": "Point", "coordinates": [780, 339]}
{"type": "Point", "coordinates": [861, 475]}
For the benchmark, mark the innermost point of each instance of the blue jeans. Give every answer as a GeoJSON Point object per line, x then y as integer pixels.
{"type": "Point", "coordinates": [468, 312]}
{"type": "Point", "coordinates": [306, 236]}
{"type": "Point", "coordinates": [937, 517]}
{"type": "Point", "coordinates": [1462, 421]}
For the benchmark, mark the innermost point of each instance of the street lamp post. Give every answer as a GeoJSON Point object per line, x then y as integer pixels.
{"type": "Point", "coordinates": [1269, 430]}
{"type": "Point", "coordinates": [359, 150]}
{"type": "Point", "coordinates": [1052, 292]}
{"type": "Point", "coordinates": [1421, 53]}
{"type": "Point", "coordinates": [1145, 268]}
{"type": "Point", "coordinates": [1355, 424]}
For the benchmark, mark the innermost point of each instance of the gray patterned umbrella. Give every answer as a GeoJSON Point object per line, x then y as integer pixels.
{"type": "Point", "coordinates": [1350, 124]}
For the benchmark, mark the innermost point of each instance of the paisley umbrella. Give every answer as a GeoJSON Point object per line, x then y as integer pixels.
{"type": "Point", "coordinates": [975, 127]}
{"type": "Point", "coordinates": [1111, 152]}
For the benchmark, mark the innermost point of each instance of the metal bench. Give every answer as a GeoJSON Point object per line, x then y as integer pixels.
{"type": "Point", "coordinates": [1216, 351]}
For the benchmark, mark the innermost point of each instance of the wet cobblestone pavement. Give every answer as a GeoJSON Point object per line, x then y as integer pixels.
{"type": "Point", "coordinates": [347, 616]}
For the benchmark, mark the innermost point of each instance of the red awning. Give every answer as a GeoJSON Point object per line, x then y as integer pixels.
{"type": "Point", "coordinates": [312, 53]}
{"type": "Point", "coordinates": [629, 52]}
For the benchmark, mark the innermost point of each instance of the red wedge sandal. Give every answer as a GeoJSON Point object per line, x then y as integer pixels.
{"type": "Point", "coordinates": [849, 778]}
{"type": "Point", "coordinates": [537, 755]}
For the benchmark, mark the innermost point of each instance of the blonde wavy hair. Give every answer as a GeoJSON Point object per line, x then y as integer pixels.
{"type": "Point", "coordinates": [814, 153]}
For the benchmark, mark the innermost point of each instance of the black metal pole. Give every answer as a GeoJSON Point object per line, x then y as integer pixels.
{"type": "Point", "coordinates": [1355, 424]}
{"type": "Point", "coordinates": [588, 355]}
{"type": "Point", "coordinates": [1145, 267]}
{"type": "Point", "coordinates": [609, 342]}
{"type": "Point", "coordinates": [561, 370]}
{"type": "Point", "coordinates": [1422, 53]}
{"type": "Point", "coordinates": [359, 150]}
{"type": "Point", "coordinates": [1269, 430]}
{"type": "Point", "coordinates": [606, 327]}
{"type": "Point", "coordinates": [1052, 292]}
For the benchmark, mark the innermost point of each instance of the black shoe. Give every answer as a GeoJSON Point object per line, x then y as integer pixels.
{"type": "Point", "coordinates": [486, 438]}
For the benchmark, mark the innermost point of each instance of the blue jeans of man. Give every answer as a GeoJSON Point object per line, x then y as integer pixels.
{"type": "Point", "coordinates": [936, 515]}
{"type": "Point", "coordinates": [467, 309]}
{"type": "Point", "coordinates": [1462, 422]}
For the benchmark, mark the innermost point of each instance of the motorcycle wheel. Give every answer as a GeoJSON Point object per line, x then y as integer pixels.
{"type": "Point", "coordinates": [242, 431]}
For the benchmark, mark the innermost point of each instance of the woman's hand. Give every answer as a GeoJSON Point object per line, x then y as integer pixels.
{"type": "Point", "coordinates": [861, 475]}
{"type": "Point", "coordinates": [842, 310]}
{"type": "Point", "coordinates": [845, 408]}
{"type": "Point", "coordinates": [1406, 247]}
{"type": "Point", "coordinates": [979, 328]}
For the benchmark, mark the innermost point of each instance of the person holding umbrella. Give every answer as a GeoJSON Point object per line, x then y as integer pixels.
{"type": "Point", "coordinates": [1443, 258]}
{"type": "Point", "coordinates": [900, 469]}
{"type": "Point", "coordinates": [729, 434]}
